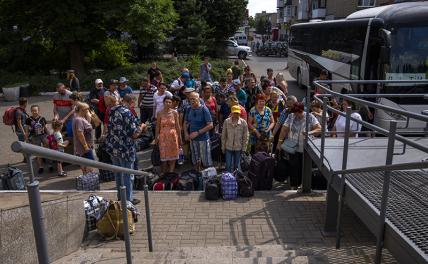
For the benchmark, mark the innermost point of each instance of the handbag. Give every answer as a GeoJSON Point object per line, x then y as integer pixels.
{"type": "Point", "coordinates": [110, 226]}
{"type": "Point", "coordinates": [290, 146]}
{"type": "Point", "coordinates": [155, 157]}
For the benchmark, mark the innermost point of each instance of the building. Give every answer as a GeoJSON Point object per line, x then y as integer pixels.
{"type": "Point", "coordinates": [294, 11]}
{"type": "Point", "coordinates": [272, 18]}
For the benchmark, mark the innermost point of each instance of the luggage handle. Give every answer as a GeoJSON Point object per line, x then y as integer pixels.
{"type": "Point", "coordinates": [116, 210]}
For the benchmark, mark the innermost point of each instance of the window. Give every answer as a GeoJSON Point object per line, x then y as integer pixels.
{"type": "Point", "coordinates": [365, 3]}
{"type": "Point", "coordinates": [317, 4]}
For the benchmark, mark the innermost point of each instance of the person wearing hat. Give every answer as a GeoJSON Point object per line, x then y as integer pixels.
{"type": "Point", "coordinates": [240, 93]}
{"type": "Point", "coordinates": [232, 101]}
{"type": "Point", "coordinates": [234, 138]}
{"type": "Point", "coordinates": [73, 81]}
{"type": "Point", "coordinates": [111, 91]}
{"type": "Point", "coordinates": [96, 100]}
{"type": "Point", "coordinates": [124, 88]}
{"type": "Point", "coordinates": [177, 84]}
{"type": "Point", "coordinates": [294, 129]}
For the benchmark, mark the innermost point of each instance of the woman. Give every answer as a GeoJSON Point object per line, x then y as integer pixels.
{"type": "Point", "coordinates": [234, 138]}
{"type": "Point", "coordinates": [75, 98]}
{"type": "Point", "coordinates": [277, 105]}
{"type": "Point", "coordinates": [260, 124]}
{"type": "Point", "coordinates": [294, 130]}
{"type": "Point", "coordinates": [316, 110]}
{"type": "Point", "coordinates": [82, 133]}
{"type": "Point", "coordinates": [210, 102]}
{"type": "Point", "coordinates": [168, 135]}
{"type": "Point", "coordinates": [229, 79]}
{"type": "Point", "coordinates": [248, 75]}
{"type": "Point", "coordinates": [281, 83]}
{"type": "Point", "coordinates": [339, 125]}
{"type": "Point", "coordinates": [158, 98]}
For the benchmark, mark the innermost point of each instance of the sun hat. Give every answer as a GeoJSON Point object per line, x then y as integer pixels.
{"type": "Point", "coordinates": [236, 109]}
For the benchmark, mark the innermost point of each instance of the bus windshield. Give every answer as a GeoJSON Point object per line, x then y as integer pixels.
{"type": "Point", "coordinates": [409, 61]}
{"type": "Point", "coordinates": [409, 54]}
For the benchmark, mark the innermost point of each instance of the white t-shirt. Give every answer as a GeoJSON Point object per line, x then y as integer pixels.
{"type": "Point", "coordinates": [158, 100]}
{"type": "Point", "coordinates": [354, 126]}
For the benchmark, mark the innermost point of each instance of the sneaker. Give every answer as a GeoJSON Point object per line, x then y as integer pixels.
{"type": "Point", "coordinates": [41, 170]}
{"type": "Point", "coordinates": [135, 201]}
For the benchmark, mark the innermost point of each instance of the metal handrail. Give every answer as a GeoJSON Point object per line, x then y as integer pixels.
{"type": "Point", "coordinates": [392, 137]}
{"type": "Point", "coordinates": [35, 202]}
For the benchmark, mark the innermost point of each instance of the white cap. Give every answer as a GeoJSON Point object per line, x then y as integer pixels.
{"type": "Point", "coordinates": [236, 82]}
{"type": "Point", "coordinates": [98, 81]}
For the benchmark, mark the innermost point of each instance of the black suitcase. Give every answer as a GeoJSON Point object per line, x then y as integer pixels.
{"type": "Point", "coordinates": [262, 169]}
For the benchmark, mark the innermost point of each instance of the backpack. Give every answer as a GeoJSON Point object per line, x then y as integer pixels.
{"type": "Point", "coordinates": [9, 116]}
{"type": "Point", "coordinates": [14, 179]}
{"type": "Point", "coordinates": [168, 182]}
{"type": "Point", "coordinates": [229, 186]}
{"type": "Point", "coordinates": [53, 144]}
{"type": "Point", "coordinates": [245, 161]}
{"type": "Point", "coordinates": [190, 176]}
{"type": "Point", "coordinates": [212, 189]}
{"type": "Point", "coordinates": [262, 169]}
{"type": "Point", "coordinates": [245, 186]}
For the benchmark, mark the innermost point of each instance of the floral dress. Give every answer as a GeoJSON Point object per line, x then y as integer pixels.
{"type": "Point", "coordinates": [262, 122]}
{"type": "Point", "coordinates": [168, 137]}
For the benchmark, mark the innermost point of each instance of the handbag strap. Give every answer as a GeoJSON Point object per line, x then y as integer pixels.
{"type": "Point", "coordinates": [115, 227]}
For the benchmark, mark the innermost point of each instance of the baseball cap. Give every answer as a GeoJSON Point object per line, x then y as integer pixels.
{"type": "Point", "coordinates": [185, 75]}
{"type": "Point", "coordinates": [236, 109]}
{"type": "Point", "coordinates": [123, 80]}
{"type": "Point", "coordinates": [236, 82]}
{"type": "Point", "coordinates": [98, 81]}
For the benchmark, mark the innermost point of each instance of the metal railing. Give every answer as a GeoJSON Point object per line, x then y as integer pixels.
{"type": "Point", "coordinates": [31, 151]}
{"type": "Point", "coordinates": [391, 134]}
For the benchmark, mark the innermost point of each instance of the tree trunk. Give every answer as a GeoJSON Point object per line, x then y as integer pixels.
{"type": "Point", "coordinates": [76, 58]}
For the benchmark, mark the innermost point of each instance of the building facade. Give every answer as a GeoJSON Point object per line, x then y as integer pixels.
{"type": "Point", "coordinates": [295, 11]}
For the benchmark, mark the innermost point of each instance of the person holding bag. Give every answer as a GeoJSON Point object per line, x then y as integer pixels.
{"type": "Point", "coordinates": [291, 140]}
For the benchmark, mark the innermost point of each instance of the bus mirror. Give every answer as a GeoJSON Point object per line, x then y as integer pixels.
{"type": "Point", "coordinates": [384, 54]}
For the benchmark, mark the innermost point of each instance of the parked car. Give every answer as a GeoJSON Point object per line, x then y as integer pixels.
{"type": "Point", "coordinates": [233, 49]}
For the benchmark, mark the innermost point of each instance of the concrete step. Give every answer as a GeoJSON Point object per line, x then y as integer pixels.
{"type": "Point", "coordinates": [227, 255]}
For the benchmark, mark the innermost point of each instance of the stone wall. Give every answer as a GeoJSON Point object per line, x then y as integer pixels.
{"type": "Point", "coordinates": [64, 225]}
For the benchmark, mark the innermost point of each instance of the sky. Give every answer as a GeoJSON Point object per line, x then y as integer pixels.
{"type": "Point", "coordinates": [257, 6]}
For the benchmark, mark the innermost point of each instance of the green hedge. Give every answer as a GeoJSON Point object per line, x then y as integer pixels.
{"type": "Point", "coordinates": [134, 73]}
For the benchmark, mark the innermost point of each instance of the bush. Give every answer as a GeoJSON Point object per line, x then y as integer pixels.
{"type": "Point", "coordinates": [134, 73]}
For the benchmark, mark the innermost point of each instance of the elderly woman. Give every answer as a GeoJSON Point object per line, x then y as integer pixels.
{"type": "Point", "coordinates": [294, 130]}
{"type": "Point", "coordinates": [260, 123]}
{"type": "Point", "coordinates": [281, 83]}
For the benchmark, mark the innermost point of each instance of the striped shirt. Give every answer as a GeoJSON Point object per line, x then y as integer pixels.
{"type": "Point", "coordinates": [147, 100]}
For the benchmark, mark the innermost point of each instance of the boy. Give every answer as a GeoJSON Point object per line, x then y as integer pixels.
{"type": "Point", "coordinates": [58, 144]}
{"type": "Point", "coordinates": [36, 131]}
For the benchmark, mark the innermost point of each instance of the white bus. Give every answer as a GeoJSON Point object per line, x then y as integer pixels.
{"type": "Point", "coordinates": [382, 43]}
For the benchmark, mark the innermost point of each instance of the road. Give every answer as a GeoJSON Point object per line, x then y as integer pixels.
{"type": "Point", "coordinates": [260, 64]}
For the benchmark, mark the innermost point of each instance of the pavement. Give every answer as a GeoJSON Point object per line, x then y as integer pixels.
{"type": "Point", "coordinates": [283, 226]}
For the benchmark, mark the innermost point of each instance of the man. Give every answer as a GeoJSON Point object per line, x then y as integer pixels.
{"type": "Point", "coordinates": [96, 99]}
{"type": "Point", "coordinates": [236, 70]}
{"type": "Point", "coordinates": [252, 90]}
{"type": "Point", "coordinates": [196, 126]}
{"type": "Point", "coordinates": [122, 130]}
{"type": "Point", "coordinates": [73, 81]}
{"type": "Point", "coordinates": [145, 100]}
{"type": "Point", "coordinates": [205, 71]}
{"type": "Point", "coordinates": [179, 82]}
{"type": "Point", "coordinates": [62, 104]}
{"type": "Point", "coordinates": [270, 77]}
{"type": "Point", "coordinates": [152, 71]}
{"type": "Point", "coordinates": [240, 93]}
{"type": "Point", "coordinates": [124, 88]}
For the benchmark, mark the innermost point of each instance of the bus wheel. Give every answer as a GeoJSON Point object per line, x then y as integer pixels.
{"type": "Point", "coordinates": [299, 79]}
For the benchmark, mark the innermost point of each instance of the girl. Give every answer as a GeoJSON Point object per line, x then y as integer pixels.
{"type": "Point", "coordinates": [59, 144]}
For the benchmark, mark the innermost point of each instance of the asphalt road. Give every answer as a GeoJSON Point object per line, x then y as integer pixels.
{"type": "Point", "coordinates": [278, 64]}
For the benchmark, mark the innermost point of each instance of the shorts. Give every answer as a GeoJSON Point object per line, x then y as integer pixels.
{"type": "Point", "coordinates": [38, 140]}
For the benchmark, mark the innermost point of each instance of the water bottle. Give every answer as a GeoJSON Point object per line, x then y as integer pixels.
{"type": "Point", "coordinates": [180, 156]}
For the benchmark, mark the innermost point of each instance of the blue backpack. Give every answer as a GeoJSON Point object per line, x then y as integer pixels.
{"type": "Point", "coordinates": [229, 186]}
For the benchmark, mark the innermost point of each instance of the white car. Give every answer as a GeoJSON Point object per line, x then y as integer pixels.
{"type": "Point", "coordinates": [233, 49]}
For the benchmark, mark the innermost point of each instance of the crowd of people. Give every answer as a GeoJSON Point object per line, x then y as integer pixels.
{"type": "Point", "coordinates": [249, 114]}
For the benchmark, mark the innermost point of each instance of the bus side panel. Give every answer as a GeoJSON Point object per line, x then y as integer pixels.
{"type": "Point", "coordinates": [293, 63]}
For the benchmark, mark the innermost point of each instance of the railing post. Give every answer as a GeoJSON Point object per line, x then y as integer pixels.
{"type": "Point", "coordinates": [385, 192]}
{"type": "Point", "coordinates": [37, 215]}
{"type": "Point", "coordinates": [125, 219]}
{"type": "Point", "coordinates": [307, 162]}
{"type": "Point", "coordinates": [343, 178]}
{"type": "Point", "coordinates": [323, 126]}
{"type": "Point", "coordinates": [148, 220]}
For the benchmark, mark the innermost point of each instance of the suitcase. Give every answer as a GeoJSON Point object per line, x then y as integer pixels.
{"type": "Point", "coordinates": [167, 182]}
{"type": "Point", "coordinates": [139, 181]}
{"type": "Point", "coordinates": [88, 182]}
{"type": "Point", "coordinates": [262, 169]}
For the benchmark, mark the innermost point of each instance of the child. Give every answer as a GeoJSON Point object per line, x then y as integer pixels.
{"type": "Point", "coordinates": [36, 130]}
{"type": "Point", "coordinates": [58, 143]}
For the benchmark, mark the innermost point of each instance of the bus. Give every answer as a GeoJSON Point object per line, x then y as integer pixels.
{"type": "Point", "coordinates": [381, 43]}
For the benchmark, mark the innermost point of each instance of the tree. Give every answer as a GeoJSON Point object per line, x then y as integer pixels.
{"type": "Point", "coordinates": [251, 22]}
{"type": "Point", "coordinates": [262, 25]}
{"type": "Point", "coordinates": [79, 26]}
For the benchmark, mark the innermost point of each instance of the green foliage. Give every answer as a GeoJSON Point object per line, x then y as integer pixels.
{"type": "Point", "coordinates": [112, 54]}
{"type": "Point", "coordinates": [263, 25]}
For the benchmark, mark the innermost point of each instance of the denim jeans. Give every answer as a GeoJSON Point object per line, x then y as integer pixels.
{"type": "Point", "coordinates": [233, 160]}
{"type": "Point", "coordinates": [128, 179]}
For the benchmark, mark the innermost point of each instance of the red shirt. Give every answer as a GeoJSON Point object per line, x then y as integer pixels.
{"type": "Point", "coordinates": [211, 104]}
